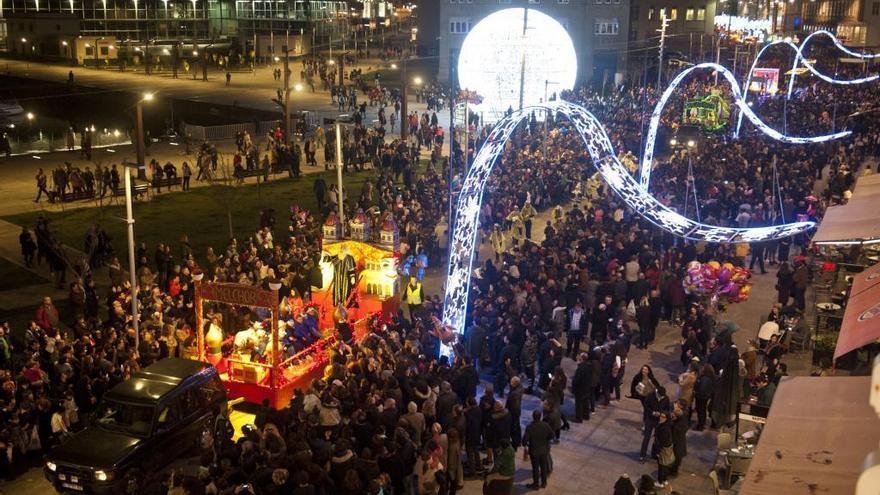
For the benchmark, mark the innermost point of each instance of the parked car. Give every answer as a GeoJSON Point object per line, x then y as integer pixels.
{"type": "Point", "coordinates": [140, 425]}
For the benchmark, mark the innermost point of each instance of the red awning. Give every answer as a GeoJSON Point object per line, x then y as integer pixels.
{"type": "Point", "coordinates": [865, 280]}
{"type": "Point", "coordinates": [861, 321]}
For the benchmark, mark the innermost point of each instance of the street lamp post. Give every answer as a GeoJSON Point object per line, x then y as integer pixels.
{"type": "Point", "coordinates": [139, 136]}
{"type": "Point", "coordinates": [341, 208]}
{"type": "Point", "coordinates": [287, 132]}
{"type": "Point", "coordinates": [132, 274]}
{"type": "Point", "coordinates": [404, 113]}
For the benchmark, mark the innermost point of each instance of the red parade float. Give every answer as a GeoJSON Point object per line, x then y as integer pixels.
{"type": "Point", "coordinates": [360, 281]}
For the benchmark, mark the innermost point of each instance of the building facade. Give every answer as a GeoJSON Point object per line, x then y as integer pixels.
{"type": "Point", "coordinates": [597, 28]}
{"type": "Point", "coordinates": [856, 22]}
{"type": "Point", "coordinates": [261, 27]}
{"type": "Point", "coordinates": [689, 31]}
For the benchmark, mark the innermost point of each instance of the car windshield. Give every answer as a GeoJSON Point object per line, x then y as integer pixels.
{"type": "Point", "coordinates": [130, 418]}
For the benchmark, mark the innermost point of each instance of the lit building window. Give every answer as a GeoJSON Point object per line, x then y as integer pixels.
{"type": "Point", "coordinates": [606, 27]}
{"type": "Point", "coordinates": [459, 25]}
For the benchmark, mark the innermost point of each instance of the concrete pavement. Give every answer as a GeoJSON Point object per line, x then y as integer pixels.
{"type": "Point", "coordinates": [252, 90]}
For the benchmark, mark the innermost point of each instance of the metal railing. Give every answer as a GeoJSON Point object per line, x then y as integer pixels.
{"type": "Point", "coordinates": [228, 131]}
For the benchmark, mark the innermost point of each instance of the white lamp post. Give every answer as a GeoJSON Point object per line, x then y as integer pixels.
{"type": "Point", "coordinates": [132, 274]}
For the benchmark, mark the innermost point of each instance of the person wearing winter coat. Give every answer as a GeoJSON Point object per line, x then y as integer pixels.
{"type": "Point", "coordinates": [686, 383]}
{"type": "Point", "coordinates": [499, 426]}
{"type": "Point", "coordinates": [582, 388]}
{"type": "Point", "coordinates": [703, 392]}
{"type": "Point", "coordinates": [680, 426]}
{"type": "Point", "coordinates": [643, 320]}
{"type": "Point", "coordinates": [473, 435]}
{"type": "Point", "coordinates": [514, 406]}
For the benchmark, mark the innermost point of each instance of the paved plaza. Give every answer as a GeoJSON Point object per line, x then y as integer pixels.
{"type": "Point", "coordinates": [590, 457]}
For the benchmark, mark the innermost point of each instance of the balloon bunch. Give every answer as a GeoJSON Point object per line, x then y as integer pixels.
{"type": "Point", "coordinates": [715, 281]}
{"type": "Point", "coordinates": [419, 263]}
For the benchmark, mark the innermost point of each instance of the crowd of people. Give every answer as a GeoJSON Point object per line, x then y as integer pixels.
{"type": "Point", "coordinates": [390, 415]}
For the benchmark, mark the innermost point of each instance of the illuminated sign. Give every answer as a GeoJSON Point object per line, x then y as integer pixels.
{"type": "Point", "coordinates": [242, 295]}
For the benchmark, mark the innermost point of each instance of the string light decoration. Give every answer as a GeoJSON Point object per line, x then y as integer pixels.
{"type": "Point", "coordinates": [650, 142]}
{"type": "Point", "coordinates": [612, 171]}
{"type": "Point", "coordinates": [799, 58]}
{"type": "Point", "coordinates": [514, 57]}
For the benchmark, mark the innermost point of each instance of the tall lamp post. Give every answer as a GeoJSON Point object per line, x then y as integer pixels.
{"type": "Point", "coordinates": [139, 136]}
{"type": "Point", "coordinates": [404, 96]}
{"type": "Point", "coordinates": [132, 274]}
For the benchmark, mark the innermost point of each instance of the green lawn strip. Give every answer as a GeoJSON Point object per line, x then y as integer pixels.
{"type": "Point", "coordinates": [14, 276]}
{"type": "Point", "coordinates": [200, 214]}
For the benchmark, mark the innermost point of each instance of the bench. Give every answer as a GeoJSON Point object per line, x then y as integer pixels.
{"type": "Point", "coordinates": [257, 172]}
{"type": "Point", "coordinates": [76, 196]}
{"type": "Point", "coordinates": [167, 182]}
{"type": "Point", "coordinates": [137, 191]}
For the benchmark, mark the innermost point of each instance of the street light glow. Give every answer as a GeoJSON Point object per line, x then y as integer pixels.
{"type": "Point", "coordinates": [297, 87]}
{"type": "Point", "coordinates": [277, 59]}
{"type": "Point", "coordinates": [393, 66]}
{"type": "Point", "coordinates": [30, 116]}
{"type": "Point", "coordinates": [148, 96]}
{"type": "Point", "coordinates": [417, 80]}
{"type": "Point", "coordinates": [195, 53]}
{"type": "Point", "coordinates": [24, 40]}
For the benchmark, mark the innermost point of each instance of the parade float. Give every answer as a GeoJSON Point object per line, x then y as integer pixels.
{"type": "Point", "coordinates": [265, 346]}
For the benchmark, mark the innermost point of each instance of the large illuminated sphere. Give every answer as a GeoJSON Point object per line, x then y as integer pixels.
{"type": "Point", "coordinates": [493, 55]}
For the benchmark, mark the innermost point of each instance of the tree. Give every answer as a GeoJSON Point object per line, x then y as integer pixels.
{"type": "Point", "coordinates": [225, 188]}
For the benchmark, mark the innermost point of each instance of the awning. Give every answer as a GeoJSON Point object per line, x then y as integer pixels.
{"type": "Point", "coordinates": [861, 321]}
{"type": "Point", "coordinates": [817, 435]}
{"type": "Point", "coordinates": [856, 222]}
{"type": "Point", "coordinates": [865, 280]}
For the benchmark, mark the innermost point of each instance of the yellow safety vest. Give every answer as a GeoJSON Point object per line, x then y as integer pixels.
{"type": "Point", "coordinates": [413, 293]}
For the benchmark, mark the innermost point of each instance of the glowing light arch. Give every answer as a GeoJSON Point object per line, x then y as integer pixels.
{"type": "Point", "coordinates": [650, 141]}
{"type": "Point", "coordinates": [800, 58]}
{"type": "Point", "coordinates": [615, 174]}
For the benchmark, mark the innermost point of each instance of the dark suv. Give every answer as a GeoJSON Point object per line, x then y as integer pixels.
{"type": "Point", "coordinates": [139, 426]}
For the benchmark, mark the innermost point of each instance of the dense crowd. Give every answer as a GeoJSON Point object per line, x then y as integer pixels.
{"type": "Point", "coordinates": [392, 416]}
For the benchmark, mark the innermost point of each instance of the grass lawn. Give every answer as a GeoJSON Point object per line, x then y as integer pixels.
{"type": "Point", "coordinates": [13, 276]}
{"type": "Point", "coordinates": [200, 214]}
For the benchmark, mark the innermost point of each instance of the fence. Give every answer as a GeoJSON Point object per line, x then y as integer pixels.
{"type": "Point", "coordinates": [45, 142]}
{"type": "Point", "coordinates": [220, 132]}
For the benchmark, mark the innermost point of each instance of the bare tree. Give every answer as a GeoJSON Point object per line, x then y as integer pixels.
{"type": "Point", "coordinates": [225, 188]}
